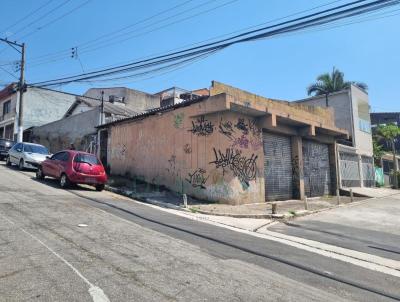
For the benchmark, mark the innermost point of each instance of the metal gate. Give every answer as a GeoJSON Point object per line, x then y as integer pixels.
{"type": "Point", "coordinates": [317, 172]}
{"type": "Point", "coordinates": [277, 167]}
{"type": "Point", "coordinates": [368, 171]}
{"type": "Point", "coordinates": [349, 170]}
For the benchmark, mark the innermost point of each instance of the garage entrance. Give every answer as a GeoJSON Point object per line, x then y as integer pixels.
{"type": "Point", "coordinates": [278, 172]}
{"type": "Point", "coordinates": [317, 173]}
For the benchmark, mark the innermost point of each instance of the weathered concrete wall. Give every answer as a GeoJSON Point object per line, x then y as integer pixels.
{"type": "Point", "coordinates": [78, 129]}
{"type": "Point", "coordinates": [215, 157]}
{"type": "Point", "coordinates": [362, 121]}
{"type": "Point", "coordinates": [43, 106]}
{"type": "Point", "coordinates": [341, 103]}
{"type": "Point", "coordinates": [308, 113]}
{"type": "Point", "coordinates": [136, 100]}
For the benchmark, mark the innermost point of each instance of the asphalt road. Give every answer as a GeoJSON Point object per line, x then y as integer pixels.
{"type": "Point", "coordinates": [127, 251]}
{"type": "Point", "coordinates": [372, 227]}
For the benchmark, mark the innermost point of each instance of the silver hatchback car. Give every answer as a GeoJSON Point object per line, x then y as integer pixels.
{"type": "Point", "coordinates": [27, 155]}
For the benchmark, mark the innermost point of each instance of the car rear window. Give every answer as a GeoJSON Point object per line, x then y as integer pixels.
{"type": "Point", "coordinates": [86, 158]}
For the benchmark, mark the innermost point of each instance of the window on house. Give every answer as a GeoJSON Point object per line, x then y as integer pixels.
{"type": "Point", "coordinates": [7, 107]}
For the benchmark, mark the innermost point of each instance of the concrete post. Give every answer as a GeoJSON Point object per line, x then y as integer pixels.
{"type": "Point", "coordinates": [351, 195]}
{"type": "Point", "coordinates": [298, 167]}
{"type": "Point", "coordinates": [274, 208]}
{"type": "Point", "coordinates": [305, 203]}
{"type": "Point", "coordinates": [360, 171]}
{"type": "Point", "coordinates": [334, 168]}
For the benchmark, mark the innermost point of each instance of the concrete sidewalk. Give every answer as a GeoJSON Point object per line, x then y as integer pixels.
{"type": "Point", "coordinates": [373, 192]}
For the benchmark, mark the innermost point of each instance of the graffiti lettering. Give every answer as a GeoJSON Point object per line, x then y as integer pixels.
{"type": "Point", "coordinates": [226, 128]}
{"type": "Point", "coordinates": [187, 149]}
{"type": "Point", "coordinates": [178, 120]}
{"type": "Point", "coordinates": [243, 168]}
{"type": "Point", "coordinates": [198, 178]}
{"type": "Point", "coordinates": [202, 127]}
{"type": "Point", "coordinates": [241, 125]}
{"type": "Point", "coordinates": [241, 142]}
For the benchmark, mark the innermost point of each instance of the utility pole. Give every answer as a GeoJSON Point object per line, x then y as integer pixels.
{"type": "Point", "coordinates": [21, 97]}
{"type": "Point", "coordinates": [102, 108]}
{"type": "Point", "coordinates": [21, 85]}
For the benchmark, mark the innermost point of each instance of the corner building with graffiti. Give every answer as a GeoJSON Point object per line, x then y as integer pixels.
{"type": "Point", "coordinates": [229, 146]}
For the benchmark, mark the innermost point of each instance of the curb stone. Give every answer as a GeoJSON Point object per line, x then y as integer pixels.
{"type": "Point", "coordinates": [144, 199]}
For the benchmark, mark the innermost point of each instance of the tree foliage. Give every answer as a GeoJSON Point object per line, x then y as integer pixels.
{"type": "Point", "coordinates": [332, 82]}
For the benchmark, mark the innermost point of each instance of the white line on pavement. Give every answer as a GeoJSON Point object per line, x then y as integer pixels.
{"type": "Point", "coordinates": [95, 292]}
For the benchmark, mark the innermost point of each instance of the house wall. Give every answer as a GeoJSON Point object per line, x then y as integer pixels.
{"type": "Point", "coordinates": [362, 121]}
{"type": "Point", "coordinates": [7, 120]}
{"type": "Point", "coordinates": [134, 99]}
{"type": "Point", "coordinates": [205, 156]}
{"type": "Point", "coordinates": [351, 111]}
{"type": "Point", "coordinates": [341, 104]}
{"type": "Point", "coordinates": [78, 129]}
{"type": "Point", "coordinates": [43, 106]}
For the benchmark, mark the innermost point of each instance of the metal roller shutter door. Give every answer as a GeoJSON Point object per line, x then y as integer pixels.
{"type": "Point", "coordinates": [317, 173]}
{"type": "Point", "coordinates": [277, 167]}
{"type": "Point", "coordinates": [368, 171]}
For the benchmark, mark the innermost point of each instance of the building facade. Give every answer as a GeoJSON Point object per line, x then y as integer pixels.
{"type": "Point", "coordinates": [231, 146]}
{"type": "Point", "coordinates": [133, 99]}
{"type": "Point", "coordinates": [351, 110]}
{"type": "Point", "coordinates": [41, 106]}
{"type": "Point", "coordinates": [78, 126]}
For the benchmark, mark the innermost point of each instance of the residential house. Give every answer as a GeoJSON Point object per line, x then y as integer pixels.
{"type": "Point", "coordinates": [78, 125]}
{"type": "Point", "coordinates": [351, 110]}
{"type": "Point", "coordinates": [134, 99]}
{"type": "Point", "coordinates": [228, 146]}
{"type": "Point", "coordinates": [40, 107]}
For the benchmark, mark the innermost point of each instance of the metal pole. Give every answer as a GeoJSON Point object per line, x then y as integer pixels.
{"type": "Point", "coordinates": [21, 97]}
{"type": "Point", "coordinates": [102, 108]}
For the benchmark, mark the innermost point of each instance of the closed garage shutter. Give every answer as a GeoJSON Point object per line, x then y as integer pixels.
{"type": "Point", "coordinates": [317, 173]}
{"type": "Point", "coordinates": [277, 167]}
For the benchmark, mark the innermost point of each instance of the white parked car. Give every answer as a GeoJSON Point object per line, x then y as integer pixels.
{"type": "Point", "coordinates": [27, 155]}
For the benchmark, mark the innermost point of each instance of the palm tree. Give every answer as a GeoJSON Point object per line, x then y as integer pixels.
{"type": "Point", "coordinates": [328, 83]}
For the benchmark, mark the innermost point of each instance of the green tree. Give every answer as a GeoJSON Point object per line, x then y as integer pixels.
{"type": "Point", "coordinates": [378, 151]}
{"type": "Point", "coordinates": [328, 83]}
{"type": "Point", "coordinates": [390, 133]}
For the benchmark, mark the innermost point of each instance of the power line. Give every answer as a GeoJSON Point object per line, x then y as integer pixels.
{"type": "Point", "coordinates": [94, 46]}
{"type": "Point", "coordinates": [209, 39]}
{"type": "Point", "coordinates": [66, 51]}
{"type": "Point", "coordinates": [316, 19]}
{"type": "Point", "coordinates": [40, 18]}
{"type": "Point", "coordinates": [55, 19]}
{"type": "Point", "coordinates": [63, 57]}
{"type": "Point", "coordinates": [27, 16]}
{"type": "Point", "coordinates": [5, 70]}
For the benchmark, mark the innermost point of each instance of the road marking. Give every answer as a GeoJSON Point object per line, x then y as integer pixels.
{"type": "Point", "coordinates": [95, 292]}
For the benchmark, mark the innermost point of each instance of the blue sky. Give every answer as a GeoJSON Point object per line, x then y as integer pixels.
{"type": "Point", "coordinates": [281, 67]}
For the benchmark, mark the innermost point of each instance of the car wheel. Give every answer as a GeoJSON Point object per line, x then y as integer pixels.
{"type": "Point", "coordinates": [39, 174]}
{"type": "Point", "coordinates": [64, 181]}
{"type": "Point", "coordinates": [8, 162]}
{"type": "Point", "coordinates": [99, 188]}
{"type": "Point", "coordinates": [21, 164]}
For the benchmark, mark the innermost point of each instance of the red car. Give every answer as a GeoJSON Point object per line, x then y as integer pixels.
{"type": "Point", "coordinates": [74, 167]}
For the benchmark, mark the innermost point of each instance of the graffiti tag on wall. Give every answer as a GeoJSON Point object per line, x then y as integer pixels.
{"type": "Point", "coordinates": [241, 166]}
{"type": "Point", "coordinates": [202, 127]}
{"type": "Point", "coordinates": [198, 178]}
{"type": "Point", "coordinates": [178, 120]}
{"type": "Point", "coordinates": [187, 149]}
{"type": "Point", "coordinates": [226, 128]}
{"type": "Point", "coordinates": [250, 136]}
